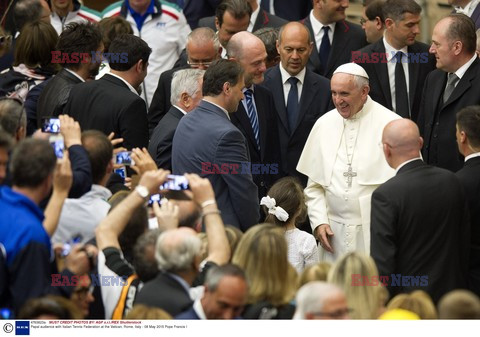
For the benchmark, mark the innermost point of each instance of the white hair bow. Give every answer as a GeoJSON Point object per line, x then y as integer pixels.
{"type": "Point", "coordinates": [278, 211]}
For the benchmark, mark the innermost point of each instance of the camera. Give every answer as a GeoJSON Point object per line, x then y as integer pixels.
{"type": "Point", "coordinates": [175, 183]}
{"type": "Point", "coordinates": [154, 198]}
{"type": "Point", "coordinates": [51, 125]}
{"type": "Point", "coordinates": [124, 158]}
{"type": "Point", "coordinates": [56, 142]}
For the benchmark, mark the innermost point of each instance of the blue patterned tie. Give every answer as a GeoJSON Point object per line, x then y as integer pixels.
{"type": "Point", "coordinates": [324, 51]}
{"type": "Point", "coordinates": [252, 115]}
{"type": "Point", "coordinates": [292, 103]}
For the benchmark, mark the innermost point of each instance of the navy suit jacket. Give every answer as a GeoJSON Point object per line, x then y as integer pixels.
{"type": "Point", "coordinates": [189, 314]}
{"type": "Point", "coordinates": [348, 37]}
{"type": "Point", "coordinates": [108, 105]}
{"type": "Point", "coordinates": [420, 227]}
{"type": "Point", "coordinates": [204, 141]}
{"type": "Point", "coordinates": [269, 150]}
{"type": "Point", "coordinates": [314, 102]}
{"type": "Point", "coordinates": [264, 19]}
{"type": "Point", "coordinates": [469, 176]}
{"type": "Point", "coordinates": [160, 147]}
{"type": "Point", "coordinates": [379, 80]}
{"type": "Point", "coordinates": [197, 9]}
{"type": "Point", "coordinates": [437, 120]}
{"type": "Point", "coordinates": [292, 10]}
{"type": "Point", "coordinates": [476, 17]}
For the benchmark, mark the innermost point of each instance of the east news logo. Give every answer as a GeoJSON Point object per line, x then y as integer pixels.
{"type": "Point", "coordinates": [22, 328]}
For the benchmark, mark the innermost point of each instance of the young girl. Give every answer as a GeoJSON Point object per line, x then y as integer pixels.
{"type": "Point", "coordinates": [285, 207]}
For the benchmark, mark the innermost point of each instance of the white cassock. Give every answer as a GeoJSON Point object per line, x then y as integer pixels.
{"type": "Point", "coordinates": [333, 195]}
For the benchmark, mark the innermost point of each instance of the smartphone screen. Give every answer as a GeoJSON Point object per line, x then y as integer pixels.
{"type": "Point", "coordinates": [67, 246]}
{"type": "Point", "coordinates": [154, 198]}
{"type": "Point", "coordinates": [124, 158]}
{"type": "Point", "coordinates": [122, 172]}
{"type": "Point", "coordinates": [175, 183]}
{"type": "Point", "coordinates": [56, 141]}
{"type": "Point", "coordinates": [50, 125]}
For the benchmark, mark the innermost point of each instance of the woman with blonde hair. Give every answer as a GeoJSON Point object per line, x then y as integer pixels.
{"type": "Point", "coordinates": [262, 254]}
{"type": "Point", "coordinates": [315, 272]}
{"type": "Point", "coordinates": [358, 276]}
{"type": "Point", "coordinates": [417, 301]}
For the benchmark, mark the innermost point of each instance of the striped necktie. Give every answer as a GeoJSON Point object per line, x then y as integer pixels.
{"type": "Point", "coordinates": [252, 115]}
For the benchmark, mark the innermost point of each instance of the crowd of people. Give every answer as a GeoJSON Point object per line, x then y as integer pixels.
{"type": "Point", "coordinates": [241, 159]}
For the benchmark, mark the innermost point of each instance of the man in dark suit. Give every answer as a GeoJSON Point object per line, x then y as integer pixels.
{"type": "Point", "coordinates": [169, 290]}
{"type": "Point", "coordinates": [256, 116]}
{"type": "Point", "coordinates": [258, 19]}
{"type": "Point", "coordinates": [225, 295]}
{"type": "Point", "coordinates": [231, 17]}
{"type": "Point", "coordinates": [454, 85]}
{"type": "Point", "coordinates": [75, 38]}
{"type": "Point", "coordinates": [186, 94]}
{"type": "Point", "coordinates": [112, 104]}
{"type": "Point", "coordinates": [420, 229]}
{"type": "Point", "coordinates": [287, 9]}
{"type": "Point", "coordinates": [335, 48]}
{"type": "Point", "coordinates": [194, 10]}
{"type": "Point", "coordinates": [381, 60]}
{"type": "Point", "coordinates": [468, 139]}
{"type": "Point", "coordinates": [202, 49]}
{"type": "Point", "coordinates": [470, 8]}
{"type": "Point", "coordinates": [298, 109]}
{"type": "Point", "coordinates": [206, 142]}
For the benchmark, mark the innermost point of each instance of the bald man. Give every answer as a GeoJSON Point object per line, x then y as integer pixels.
{"type": "Point", "coordinates": [419, 220]}
{"type": "Point", "coordinates": [256, 113]}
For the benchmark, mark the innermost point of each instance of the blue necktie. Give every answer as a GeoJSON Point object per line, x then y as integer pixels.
{"type": "Point", "coordinates": [252, 115]}
{"type": "Point", "coordinates": [292, 103]}
{"type": "Point", "coordinates": [324, 51]}
{"type": "Point", "coordinates": [265, 5]}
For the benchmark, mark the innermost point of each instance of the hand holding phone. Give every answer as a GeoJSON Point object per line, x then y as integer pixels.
{"type": "Point", "coordinates": [175, 183]}
{"type": "Point", "coordinates": [56, 141]}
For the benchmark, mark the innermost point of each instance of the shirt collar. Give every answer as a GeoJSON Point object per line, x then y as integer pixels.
{"type": "Point", "coordinates": [139, 18]}
{"type": "Point", "coordinates": [473, 155]}
{"type": "Point", "coordinates": [405, 163]}
{"type": "Point", "coordinates": [468, 9]}
{"type": "Point", "coordinates": [218, 106]}
{"type": "Point", "coordinates": [286, 75]}
{"type": "Point", "coordinates": [253, 18]}
{"type": "Point", "coordinates": [197, 306]}
{"type": "Point", "coordinates": [181, 110]}
{"type": "Point", "coordinates": [317, 25]}
{"type": "Point", "coordinates": [132, 89]}
{"type": "Point", "coordinates": [392, 51]}
{"type": "Point", "coordinates": [75, 74]}
{"type": "Point", "coordinates": [463, 69]}
{"type": "Point", "coordinates": [101, 191]}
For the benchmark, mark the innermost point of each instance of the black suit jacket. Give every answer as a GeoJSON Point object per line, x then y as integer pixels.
{"type": "Point", "coordinates": [292, 10]}
{"type": "Point", "coordinates": [160, 146]}
{"type": "Point", "coordinates": [437, 120]}
{"type": "Point", "coordinates": [55, 95]}
{"type": "Point", "coordinates": [166, 293]}
{"type": "Point", "coordinates": [161, 99]}
{"type": "Point", "coordinates": [264, 19]}
{"type": "Point", "coordinates": [269, 154]}
{"type": "Point", "coordinates": [207, 143]}
{"type": "Point", "coordinates": [108, 105]}
{"type": "Point", "coordinates": [469, 176]}
{"type": "Point", "coordinates": [197, 9]}
{"type": "Point", "coordinates": [347, 37]}
{"type": "Point", "coordinates": [379, 80]}
{"type": "Point", "coordinates": [476, 17]}
{"type": "Point", "coordinates": [420, 227]}
{"type": "Point", "coordinates": [315, 100]}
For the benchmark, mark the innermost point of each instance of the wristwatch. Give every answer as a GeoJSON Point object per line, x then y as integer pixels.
{"type": "Point", "coordinates": [142, 191]}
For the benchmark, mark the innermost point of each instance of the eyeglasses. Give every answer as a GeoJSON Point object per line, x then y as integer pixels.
{"type": "Point", "coordinates": [335, 314]}
{"type": "Point", "coordinates": [362, 21]}
{"type": "Point", "coordinates": [200, 63]}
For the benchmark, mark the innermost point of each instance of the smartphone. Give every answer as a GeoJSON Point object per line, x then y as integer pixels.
{"type": "Point", "coordinates": [50, 125]}
{"type": "Point", "coordinates": [154, 198]}
{"type": "Point", "coordinates": [175, 183]}
{"type": "Point", "coordinates": [124, 158]}
{"type": "Point", "coordinates": [67, 246]}
{"type": "Point", "coordinates": [56, 141]}
{"type": "Point", "coordinates": [122, 172]}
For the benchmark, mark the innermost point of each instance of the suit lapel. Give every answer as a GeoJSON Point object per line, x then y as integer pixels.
{"type": "Point", "coordinates": [314, 58]}
{"type": "Point", "coordinates": [261, 21]}
{"type": "Point", "coordinates": [277, 91]}
{"type": "Point", "coordinates": [262, 121]}
{"type": "Point", "coordinates": [464, 84]}
{"type": "Point", "coordinates": [308, 91]}
{"type": "Point", "coordinates": [413, 72]}
{"type": "Point", "coordinates": [339, 44]}
{"type": "Point", "coordinates": [381, 70]}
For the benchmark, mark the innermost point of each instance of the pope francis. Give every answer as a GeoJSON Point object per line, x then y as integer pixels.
{"type": "Point", "coordinates": [345, 164]}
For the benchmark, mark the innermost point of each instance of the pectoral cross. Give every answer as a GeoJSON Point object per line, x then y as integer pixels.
{"type": "Point", "coordinates": [349, 175]}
